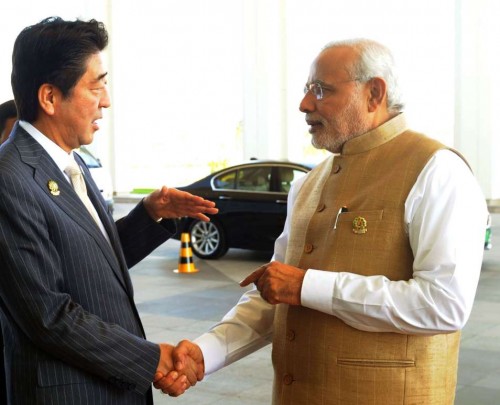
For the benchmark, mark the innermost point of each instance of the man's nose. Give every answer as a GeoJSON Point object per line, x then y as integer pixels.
{"type": "Point", "coordinates": [308, 102]}
{"type": "Point", "coordinates": [105, 99]}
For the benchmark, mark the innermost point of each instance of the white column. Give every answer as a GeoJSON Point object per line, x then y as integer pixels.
{"type": "Point", "coordinates": [264, 87]}
{"type": "Point", "coordinates": [477, 124]}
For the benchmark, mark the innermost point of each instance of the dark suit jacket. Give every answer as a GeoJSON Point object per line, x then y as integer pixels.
{"type": "Point", "coordinates": [3, 393]}
{"type": "Point", "coordinates": [71, 329]}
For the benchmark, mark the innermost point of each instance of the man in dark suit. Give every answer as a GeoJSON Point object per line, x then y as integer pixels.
{"type": "Point", "coordinates": [71, 329]}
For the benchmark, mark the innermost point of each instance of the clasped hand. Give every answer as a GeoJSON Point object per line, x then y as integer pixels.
{"type": "Point", "coordinates": [180, 368]}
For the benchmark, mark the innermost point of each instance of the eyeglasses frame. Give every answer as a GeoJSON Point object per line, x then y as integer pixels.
{"type": "Point", "coordinates": [320, 86]}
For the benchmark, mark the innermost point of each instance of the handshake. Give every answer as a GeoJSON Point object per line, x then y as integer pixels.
{"type": "Point", "coordinates": [179, 368]}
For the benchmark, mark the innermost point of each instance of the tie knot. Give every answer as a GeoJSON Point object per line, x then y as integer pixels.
{"type": "Point", "coordinates": [72, 169]}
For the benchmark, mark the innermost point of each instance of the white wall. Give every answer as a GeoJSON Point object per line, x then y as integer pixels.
{"type": "Point", "coordinates": [177, 89]}
{"type": "Point", "coordinates": [477, 130]}
{"type": "Point", "coordinates": [196, 84]}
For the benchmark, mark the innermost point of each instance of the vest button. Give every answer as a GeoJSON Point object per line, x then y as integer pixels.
{"type": "Point", "coordinates": [290, 335]}
{"type": "Point", "coordinates": [336, 168]}
{"type": "Point", "coordinates": [287, 379]}
{"type": "Point", "coordinates": [321, 207]}
{"type": "Point", "coordinates": [308, 248]}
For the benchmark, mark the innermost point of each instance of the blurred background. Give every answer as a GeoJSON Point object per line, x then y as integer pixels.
{"type": "Point", "coordinates": [197, 86]}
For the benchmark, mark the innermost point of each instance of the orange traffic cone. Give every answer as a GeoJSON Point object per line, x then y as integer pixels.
{"type": "Point", "coordinates": [186, 264]}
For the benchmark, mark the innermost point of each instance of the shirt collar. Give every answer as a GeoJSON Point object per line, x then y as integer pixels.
{"type": "Point", "coordinates": [58, 155]}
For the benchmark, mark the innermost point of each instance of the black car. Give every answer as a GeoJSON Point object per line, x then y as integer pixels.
{"type": "Point", "coordinates": [252, 200]}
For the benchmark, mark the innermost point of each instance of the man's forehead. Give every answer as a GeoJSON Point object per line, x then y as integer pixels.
{"type": "Point", "coordinates": [96, 70]}
{"type": "Point", "coordinates": [333, 62]}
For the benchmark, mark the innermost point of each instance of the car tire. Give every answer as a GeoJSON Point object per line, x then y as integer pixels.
{"type": "Point", "coordinates": [207, 239]}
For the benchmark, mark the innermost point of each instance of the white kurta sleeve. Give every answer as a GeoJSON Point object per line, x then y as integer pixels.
{"type": "Point", "coordinates": [248, 326]}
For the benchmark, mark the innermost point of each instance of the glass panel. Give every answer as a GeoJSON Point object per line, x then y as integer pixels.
{"type": "Point", "coordinates": [254, 178]}
{"type": "Point", "coordinates": [225, 181]}
{"type": "Point", "coordinates": [288, 176]}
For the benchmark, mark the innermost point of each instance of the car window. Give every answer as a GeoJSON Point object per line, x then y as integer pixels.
{"type": "Point", "coordinates": [226, 181]}
{"type": "Point", "coordinates": [254, 178]}
{"type": "Point", "coordinates": [287, 176]}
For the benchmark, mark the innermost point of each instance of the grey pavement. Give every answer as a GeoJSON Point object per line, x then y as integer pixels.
{"type": "Point", "coordinates": [182, 306]}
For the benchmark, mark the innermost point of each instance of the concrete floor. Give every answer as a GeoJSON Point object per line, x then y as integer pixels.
{"type": "Point", "coordinates": [182, 306]}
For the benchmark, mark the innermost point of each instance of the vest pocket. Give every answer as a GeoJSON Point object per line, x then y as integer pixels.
{"type": "Point", "coordinates": [376, 363]}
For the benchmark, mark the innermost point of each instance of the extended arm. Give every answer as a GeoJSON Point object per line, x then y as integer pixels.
{"type": "Point", "coordinates": [139, 231]}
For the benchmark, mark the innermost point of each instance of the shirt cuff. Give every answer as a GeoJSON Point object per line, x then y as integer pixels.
{"type": "Point", "coordinates": [214, 353]}
{"type": "Point", "coordinates": [317, 290]}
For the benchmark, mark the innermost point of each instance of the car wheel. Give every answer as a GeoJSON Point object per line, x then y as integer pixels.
{"type": "Point", "coordinates": [207, 239]}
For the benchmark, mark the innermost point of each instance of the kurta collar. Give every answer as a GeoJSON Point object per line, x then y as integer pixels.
{"type": "Point", "coordinates": [376, 137]}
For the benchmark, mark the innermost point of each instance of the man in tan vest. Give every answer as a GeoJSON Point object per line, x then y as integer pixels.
{"type": "Point", "coordinates": [376, 270]}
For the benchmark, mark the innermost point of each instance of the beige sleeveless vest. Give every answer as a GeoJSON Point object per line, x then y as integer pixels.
{"type": "Point", "coordinates": [318, 359]}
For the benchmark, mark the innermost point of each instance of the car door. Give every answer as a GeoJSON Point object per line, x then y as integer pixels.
{"type": "Point", "coordinates": [248, 208]}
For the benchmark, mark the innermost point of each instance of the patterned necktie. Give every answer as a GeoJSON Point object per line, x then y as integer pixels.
{"type": "Point", "coordinates": [78, 182]}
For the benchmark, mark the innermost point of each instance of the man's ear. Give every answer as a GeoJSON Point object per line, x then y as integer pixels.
{"type": "Point", "coordinates": [377, 88]}
{"type": "Point", "coordinates": [47, 98]}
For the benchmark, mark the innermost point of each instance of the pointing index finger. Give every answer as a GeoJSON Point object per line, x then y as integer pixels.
{"type": "Point", "coordinates": [253, 277]}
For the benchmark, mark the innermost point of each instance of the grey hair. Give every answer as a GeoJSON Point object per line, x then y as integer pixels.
{"type": "Point", "coordinates": [375, 60]}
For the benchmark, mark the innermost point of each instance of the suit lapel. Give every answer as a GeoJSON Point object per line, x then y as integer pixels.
{"type": "Point", "coordinates": [109, 225]}
{"type": "Point", "coordinates": [65, 197]}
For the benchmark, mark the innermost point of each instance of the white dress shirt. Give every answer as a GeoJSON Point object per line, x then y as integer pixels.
{"type": "Point", "coordinates": [445, 217]}
{"type": "Point", "coordinates": [60, 157]}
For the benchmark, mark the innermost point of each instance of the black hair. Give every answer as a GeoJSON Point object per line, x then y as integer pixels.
{"type": "Point", "coordinates": [56, 52]}
{"type": "Point", "coordinates": [7, 110]}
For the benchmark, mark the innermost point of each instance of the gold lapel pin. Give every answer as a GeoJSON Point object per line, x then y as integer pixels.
{"type": "Point", "coordinates": [53, 187]}
{"type": "Point", "coordinates": [359, 225]}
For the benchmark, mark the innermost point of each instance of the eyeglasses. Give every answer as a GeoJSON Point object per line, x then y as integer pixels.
{"type": "Point", "coordinates": [318, 89]}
